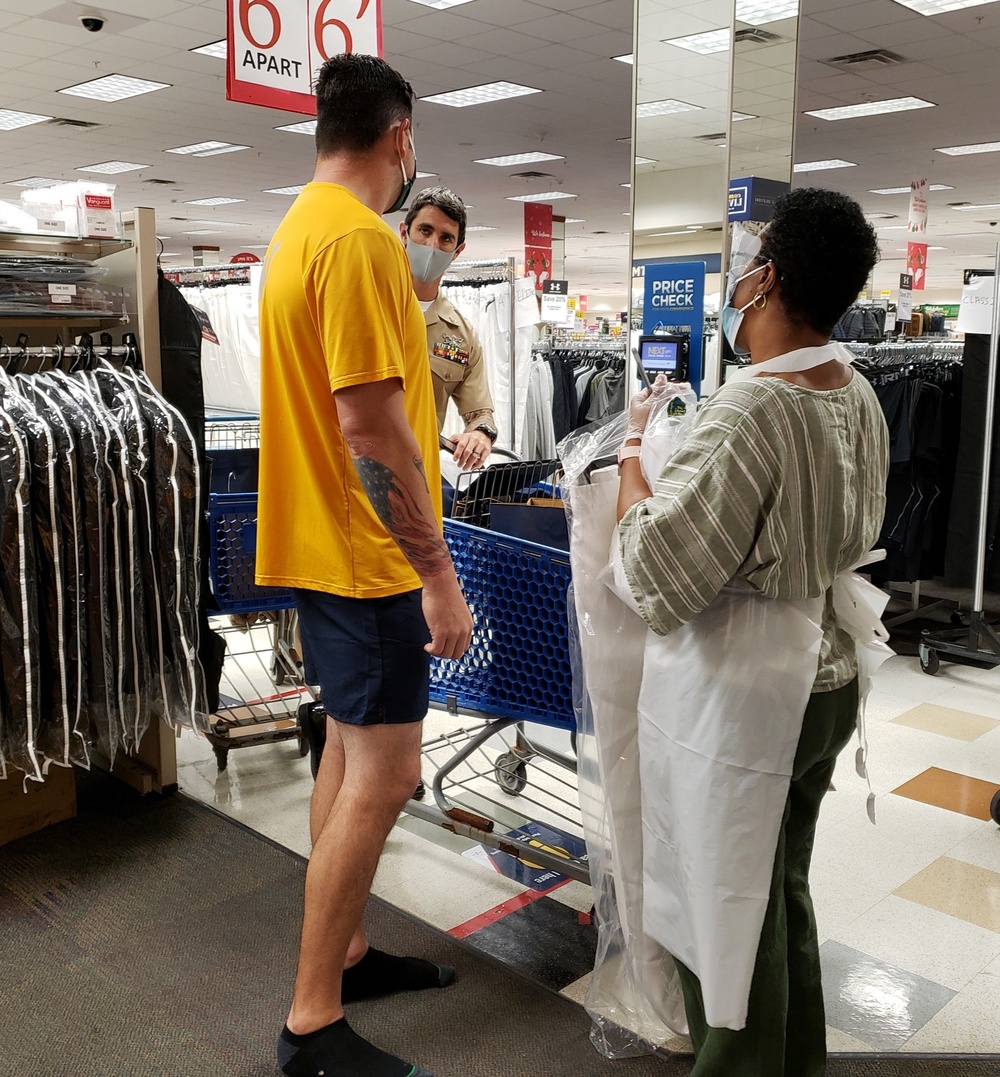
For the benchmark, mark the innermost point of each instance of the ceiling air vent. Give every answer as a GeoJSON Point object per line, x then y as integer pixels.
{"type": "Point", "coordinates": [63, 122]}
{"type": "Point", "coordinates": [871, 58]}
{"type": "Point", "coordinates": [718, 137]}
{"type": "Point", "coordinates": [161, 182]}
{"type": "Point", "coordinates": [532, 175]}
{"type": "Point", "coordinates": [756, 36]}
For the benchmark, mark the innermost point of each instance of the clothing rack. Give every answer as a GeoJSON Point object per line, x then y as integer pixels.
{"type": "Point", "coordinates": [480, 273]}
{"type": "Point", "coordinates": [907, 351]}
{"type": "Point", "coordinates": [227, 273]}
{"type": "Point", "coordinates": [83, 355]}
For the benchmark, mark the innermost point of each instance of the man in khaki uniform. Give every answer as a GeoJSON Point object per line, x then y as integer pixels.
{"type": "Point", "coordinates": [434, 235]}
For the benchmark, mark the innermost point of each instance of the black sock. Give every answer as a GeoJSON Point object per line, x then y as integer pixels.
{"type": "Point", "coordinates": [379, 973]}
{"type": "Point", "coordinates": [338, 1051]}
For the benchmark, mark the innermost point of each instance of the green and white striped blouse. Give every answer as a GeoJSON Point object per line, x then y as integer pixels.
{"type": "Point", "coordinates": [778, 485]}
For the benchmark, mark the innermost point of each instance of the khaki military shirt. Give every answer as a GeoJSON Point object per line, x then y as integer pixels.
{"type": "Point", "coordinates": [457, 366]}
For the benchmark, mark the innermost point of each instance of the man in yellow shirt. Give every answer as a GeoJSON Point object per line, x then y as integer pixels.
{"type": "Point", "coordinates": [349, 518]}
{"type": "Point", "coordinates": [434, 235]}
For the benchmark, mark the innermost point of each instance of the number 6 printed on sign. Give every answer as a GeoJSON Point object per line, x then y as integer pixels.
{"type": "Point", "coordinates": [275, 47]}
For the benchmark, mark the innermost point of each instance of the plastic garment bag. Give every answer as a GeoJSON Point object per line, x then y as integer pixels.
{"type": "Point", "coordinates": [634, 996]}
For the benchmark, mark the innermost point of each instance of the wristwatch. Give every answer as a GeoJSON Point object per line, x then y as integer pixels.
{"type": "Point", "coordinates": [488, 430]}
{"type": "Point", "coordinates": [628, 452]}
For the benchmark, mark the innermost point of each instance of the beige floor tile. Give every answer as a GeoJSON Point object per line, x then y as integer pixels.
{"type": "Point", "coordinates": [577, 990]}
{"type": "Point", "coordinates": [947, 722]}
{"type": "Point", "coordinates": [922, 940]}
{"type": "Point", "coordinates": [951, 791]}
{"type": "Point", "coordinates": [962, 890]}
{"type": "Point", "coordinates": [838, 1042]}
{"type": "Point", "coordinates": [967, 1024]}
{"type": "Point", "coordinates": [576, 895]}
{"type": "Point", "coordinates": [981, 847]}
{"type": "Point", "coordinates": [981, 697]}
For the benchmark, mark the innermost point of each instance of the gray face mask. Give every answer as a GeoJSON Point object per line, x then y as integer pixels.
{"type": "Point", "coordinates": [427, 263]}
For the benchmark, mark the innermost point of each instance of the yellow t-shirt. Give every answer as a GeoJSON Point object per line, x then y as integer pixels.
{"type": "Point", "coordinates": [337, 309]}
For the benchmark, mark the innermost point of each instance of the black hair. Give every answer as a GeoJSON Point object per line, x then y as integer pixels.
{"type": "Point", "coordinates": [358, 98]}
{"type": "Point", "coordinates": [447, 202]}
{"type": "Point", "coordinates": [823, 251]}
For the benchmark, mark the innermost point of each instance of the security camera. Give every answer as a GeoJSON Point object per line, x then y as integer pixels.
{"type": "Point", "coordinates": [93, 23]}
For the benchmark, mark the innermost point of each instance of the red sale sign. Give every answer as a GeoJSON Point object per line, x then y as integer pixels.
{"type": "Point", "coordinates": [916, 264]}
{"type": "Point", "coordinates": [538, 242]}
{"type": "Point", "coordinates": [275, 47]}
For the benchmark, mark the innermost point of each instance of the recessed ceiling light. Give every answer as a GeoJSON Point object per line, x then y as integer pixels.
{"type": "Point", "coordinates": [480, 228]}
{"type": "Point", "coordinates": [481, 95]}
{"type": "Point", "coordinates": [285, 190]}
{"type": "Point", "coordinates": [441, 4]}
{"type": "Point", "coordinates": [906, 190]}
{"type": "Point", "coordinates": [871, 108]}
{"type": "Point", "coordinates": [207, 149]}
{"type": "Point", "coordinates": [738, 116]}
{"type": "Point", "coordinates": [213, 48]}
{"type": "Point", "coordinates": [212, 201]}
{"type": "Point", "coordinates": [645, 161]}
{"type": "Point", "coordinates": [33, 181]}
{"type": "Point", "coordinates": [666, 107]}
{"type": "Point", "coordinates": [547, 196]}
{"type": "Point", "coordinates": [973, 209]}
{"type": "Point", "coordinates": [977, 147]}
{"type": "Point", "coordinates": [10, 120]}
{"type": "Point", "coordinates": [628, 58]}
{"type": "Point", "coordinates": [708, 42]}
{"type": "Point", "coordinates": [520, 159]}
{"type": "Point", "coordinates": [939, 7]}
{"type": "Point", "coordinates": [823, 166]}
{"type": "Point", "coordinates": [761, 12]}
{"type": "Point", "coordinates": [203, 232]}
{"type": "Point", "coordinates": [112, 168]}
{"type": "Point", "coordinates": [114, 88]}
{"type": "Point", "coordinates": [306, 127]}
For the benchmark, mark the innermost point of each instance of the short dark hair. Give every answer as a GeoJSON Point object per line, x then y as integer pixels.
{"type": "Point", "coordinates": [446, 201]}
{"type": "Point", "coordinates": [358, 98]}
{"type": "Point", "coordinates": [823, 250]}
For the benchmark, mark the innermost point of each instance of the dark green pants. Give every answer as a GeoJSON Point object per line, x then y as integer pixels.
{"type": "Point", "coordinates": [785, 1033]}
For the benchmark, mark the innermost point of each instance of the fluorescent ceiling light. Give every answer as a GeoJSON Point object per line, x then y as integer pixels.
{"type": "Point", "coordinates": [624, 184]}
{"type": "Point", "coordinates": [737, 116]}
{"type": "Point", "coordinates": [203, 232]}
{"type": "Point", "coordinates": [285, 190]}
{"type": "Point", "coordinates": [112, 168]}
{"type": "Point", "coordinates": [441, 4]}
{"type": "Point", "coordinates": [520, 159]}
{"type": "Point", "coordinates": [10, 120]}
{"type": "Point", "coordinates": [681, 232]}
{"type": "Point", "coordinates": [880, 216]}
{"type": "Point", "coordinates": [207, 149]}
{"type": "Point", "coordinates": [645, 161]}
{"type": "Point", "coordinates": [666, 107]}
{"type": "Point", "coordinates": [939, 7]}
{"type": "Point", "coordinates": [761, 12]}
{"type": "Point", "coordinates": [906, 190]}
{"type": "Point", "coordinates": [480, 95]}
{"type": "Point", "coordinates": [33, 181]}
{"type": "Point", "coordinates": [962, 151]}
{"type": "Point", "coordinates": [575, 220]}
{"type": "Point", "coordinates": [628, 58]}
{"type": "Point", "coordinates": [212, 201]}
{"type": "Point", "coordinates": [306, 127]}
{"type": "Point", "coordinates": [481, 228]}
{"type": "Point", "coordinates": [213, 48]}
{"type": "Point", "coordinates": [973, 209]}
{"type": "Point", "coordinates": [114, 88]}
{"type": "Point", "coordinates": [427, 175]}
{"type": "Point", "coordinates": [708, 42]}
{"type": "Point", "coordinates": [902, 250]}
{"type": "Point", "coordinates": [548, 196]}
{"type": "Point", "coordinates": [871, 108]}
{"type": "Point", "coordinates": [823, 166]}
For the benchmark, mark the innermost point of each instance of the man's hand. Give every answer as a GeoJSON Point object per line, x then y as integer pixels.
{"type": "Point", "coordinates": [447, 615]}
{"type": "Point", "coordinates": [471, 449]}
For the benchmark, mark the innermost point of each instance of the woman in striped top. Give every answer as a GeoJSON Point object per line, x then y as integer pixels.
{"type": "Point", "coordinates": [779, 488]}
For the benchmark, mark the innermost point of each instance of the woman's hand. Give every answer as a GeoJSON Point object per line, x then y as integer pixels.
{"type": "Point", "coordinates": [641, 407]}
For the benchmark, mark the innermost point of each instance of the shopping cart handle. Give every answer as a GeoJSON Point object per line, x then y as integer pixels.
{"type": "Point", "coordinates": [449, 446]}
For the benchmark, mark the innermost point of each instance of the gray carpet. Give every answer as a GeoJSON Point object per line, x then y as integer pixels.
{"type": "Point", "coordinates": [155, 938]}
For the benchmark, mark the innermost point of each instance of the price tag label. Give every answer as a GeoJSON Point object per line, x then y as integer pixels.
{"type": "Point", "coordinates": [62, 293]}
{"type": "Point", "coordinates": [276, 47]}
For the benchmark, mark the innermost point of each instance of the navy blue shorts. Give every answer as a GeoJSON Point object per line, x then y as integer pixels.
{"type": "Point", "coordinates": [367, 655]}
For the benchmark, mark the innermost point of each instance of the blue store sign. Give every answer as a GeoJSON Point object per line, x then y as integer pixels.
{"type": "Point", "coordinates": [674, 303]}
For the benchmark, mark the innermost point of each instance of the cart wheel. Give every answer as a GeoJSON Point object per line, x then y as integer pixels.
{"type": "Point", "coordinates": [510, 773]}
{"type": "Point", "coordinates": [303, 742]}
{"type": "Point", "coordinates": [930, 663]}
{"type": "Point", "coordinates": [221, 757]}
{"type": "Point", "coordinates": [420, 792]}
{"type": "Point", "coordinates": [995, 807]}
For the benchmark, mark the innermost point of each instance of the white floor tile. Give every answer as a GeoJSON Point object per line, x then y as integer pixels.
{"type": "Point", "coordinates": [981, 848]}
{"type": "Point", "coordinates": [838, 1042]}
{"type": "Point", "coordinates": [968, 1024]}
{"type": "Point", "coordinates": [901, 676]}
{"type": "Point", "coordinates": [980, 697]}
{"type": "Point", "coordinates": [923, 941]}
{"type": "Point", "coordinates": [839, 901]}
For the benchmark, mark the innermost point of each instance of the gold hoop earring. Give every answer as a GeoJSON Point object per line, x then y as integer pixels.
{"type": "Point", "coordinates": [760, 301]}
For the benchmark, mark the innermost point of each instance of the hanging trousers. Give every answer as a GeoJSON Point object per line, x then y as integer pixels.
{"type": "Point", "coordinates": [785, 1033]}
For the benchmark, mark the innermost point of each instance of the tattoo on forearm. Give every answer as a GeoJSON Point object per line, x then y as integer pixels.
{"type": "Point", "coordinates": [422, 544]}
{"type": "Point", "coordinates": [472, 415]}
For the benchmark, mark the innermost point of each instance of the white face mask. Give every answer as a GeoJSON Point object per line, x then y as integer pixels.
{"type": "Point", "coordinates": [427, 263]}
{"type": "Point", "coordinates": [732, 317]}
